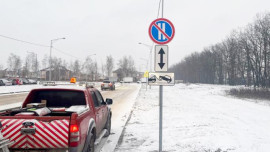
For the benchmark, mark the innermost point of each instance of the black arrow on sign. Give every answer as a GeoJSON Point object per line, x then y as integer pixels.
{"type": "Point", "coordinates": [161, 52]}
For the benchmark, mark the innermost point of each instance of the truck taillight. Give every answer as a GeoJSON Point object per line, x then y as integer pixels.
{"type": "Point", "coordinates": [74, 135]}
{"type": "Point", "coordinates": [110, 84]}
{"type": "Point", "coordinates": [74, 130]}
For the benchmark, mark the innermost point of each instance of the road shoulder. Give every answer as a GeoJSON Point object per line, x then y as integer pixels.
{"type": "Point", "coordinates": [120, 121]}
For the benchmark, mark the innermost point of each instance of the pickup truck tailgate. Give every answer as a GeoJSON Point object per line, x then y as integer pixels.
{"type": "Point", "coordinates": [36, 134]}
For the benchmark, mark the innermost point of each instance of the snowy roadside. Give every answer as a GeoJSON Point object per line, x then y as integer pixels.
{"type": "Point", "coordinates": [17, 89]}
{"type": "Point", "coordinates": [120, 122]}
{"type": "Point", "coordinates": [10, 106]}
{"type": "Point", "coordinates": [197, 118]}
{"type": "Point", "coordinates": [26, 88]}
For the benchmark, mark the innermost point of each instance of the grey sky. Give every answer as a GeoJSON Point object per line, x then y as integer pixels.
{"type": "Point", "coordinates": [114, 27]}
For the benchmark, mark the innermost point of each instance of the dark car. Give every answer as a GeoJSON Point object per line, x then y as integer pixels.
{"type": "Point", "coordinates": [2, 83]}
{"type": "Point", "coordinates": [25, 81]}
{"type": "Point", "coordinates": [152, 79]}
{"type": "Point", "coordinates": [165, 78]}
{"type": "Point", "coordinates": [6, 82]}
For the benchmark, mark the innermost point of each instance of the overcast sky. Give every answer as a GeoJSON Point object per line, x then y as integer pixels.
{"type": "Point", "coordinates": [115, 27]}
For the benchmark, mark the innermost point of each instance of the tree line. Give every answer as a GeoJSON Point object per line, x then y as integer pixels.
{"type": "Point", "coordinates": [86, 70]}
{"type": "Point", "coordinates": [243, 58]}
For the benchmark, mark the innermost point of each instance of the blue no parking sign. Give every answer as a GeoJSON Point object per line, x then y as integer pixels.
{"type": "Point", "coordinates": [161, 31]}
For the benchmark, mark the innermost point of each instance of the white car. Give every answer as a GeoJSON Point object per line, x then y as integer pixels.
{"type": "Point", "coordinates": [6, 82]}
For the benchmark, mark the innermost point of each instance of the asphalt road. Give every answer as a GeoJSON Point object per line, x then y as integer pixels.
{"type": "Point", "coordinates": [120, 97]}
{"type": "Point", "coordinates": [14, 98]}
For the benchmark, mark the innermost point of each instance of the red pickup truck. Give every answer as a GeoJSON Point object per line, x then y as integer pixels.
{"type": "Point", "coordinates": [58, 119]}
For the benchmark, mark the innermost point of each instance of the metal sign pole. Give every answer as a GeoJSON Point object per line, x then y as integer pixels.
{"type": "Point", "coordinates": [159, 77]}
{"type": "Point", "coordinates": [160, 102]}
{"type": "Point", "coordinates": [146, 84]}
{"type": "Point", "coordinates": [160, 116]}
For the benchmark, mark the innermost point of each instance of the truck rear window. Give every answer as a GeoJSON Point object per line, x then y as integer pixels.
{"type": "Point", "coordinates": [59, 98]}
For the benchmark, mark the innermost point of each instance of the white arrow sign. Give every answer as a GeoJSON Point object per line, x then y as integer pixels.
{"type": "Point", "coordinates": [161, 58]}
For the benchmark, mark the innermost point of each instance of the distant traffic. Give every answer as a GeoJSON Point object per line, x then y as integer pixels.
{"type": "Point", "coordinates": [16, 81]}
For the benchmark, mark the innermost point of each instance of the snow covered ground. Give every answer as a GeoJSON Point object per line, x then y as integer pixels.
{"type": "Point", "coordinates": [17, 88]}
{"type": "Point", "coordinates": [197, 118]}
{"type": "Point", "coordinates": [25, 88]}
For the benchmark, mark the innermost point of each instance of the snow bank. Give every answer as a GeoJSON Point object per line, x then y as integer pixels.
{"type": "Point", "coordinates": [27, 88]}
{"type": "Point", "coordinates": [119, 122]}
{"type": "Point", "coordinates": [197, 118]}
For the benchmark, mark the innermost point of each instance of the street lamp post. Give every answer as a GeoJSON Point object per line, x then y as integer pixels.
{"type": "Point", "coordinates": [150, 49]}
{"type": "Point", "coordinates": [51, 46]}
{"type": "Point", "coordinates": [146, 68]}
{"type": "Point", "coordinates": [145, 61]}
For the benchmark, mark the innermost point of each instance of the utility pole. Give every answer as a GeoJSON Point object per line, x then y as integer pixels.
{"type": "Point", "coordinates": [51, 46]}
{"type": "Point", "coordinates": [150, 58]}
{"type": "Point", "coordinates": [50, 72]}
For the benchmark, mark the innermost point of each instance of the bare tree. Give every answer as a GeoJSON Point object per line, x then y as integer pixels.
{"type": "Point", "coordinates": [2, 72]}
{"type": "Point", "coordinates": [34, 64]}
{"type": "Point", "coordinates": [45, 61]}
{"type": "Point", "coordinates": [26, 67]}
{"type": "Point", "coordinates": [14, 63]}
{"type": "Point", "coordinates": [109, 65]}
{"type": "Point", "coordinates": [126, 67]}
{"type": "Point", "coordinates": [76, 68]}
{"type": "Point", "coordinates": [123, 67]}
{"type": "Point", "coordinates": [242, 58]}
{"type": "Point", "coordinates": [88, 67]}
{"type": "Point", "coordinates": [96, 74]}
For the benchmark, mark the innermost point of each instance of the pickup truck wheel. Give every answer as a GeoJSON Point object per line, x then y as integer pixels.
{"type": "Point", "coordinates": [91, 145]}
{"type": "Point", "coordinates": [108, 127]}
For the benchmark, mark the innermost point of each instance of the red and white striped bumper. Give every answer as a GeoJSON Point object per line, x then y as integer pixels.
{"type": "Point", "coordinates": [40, 135]}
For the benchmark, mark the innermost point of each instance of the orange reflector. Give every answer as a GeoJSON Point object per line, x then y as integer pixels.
{"type": "Point", "coordinates": [74, 128]}
{"type": "Point", "coordinates": [73, 80]}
